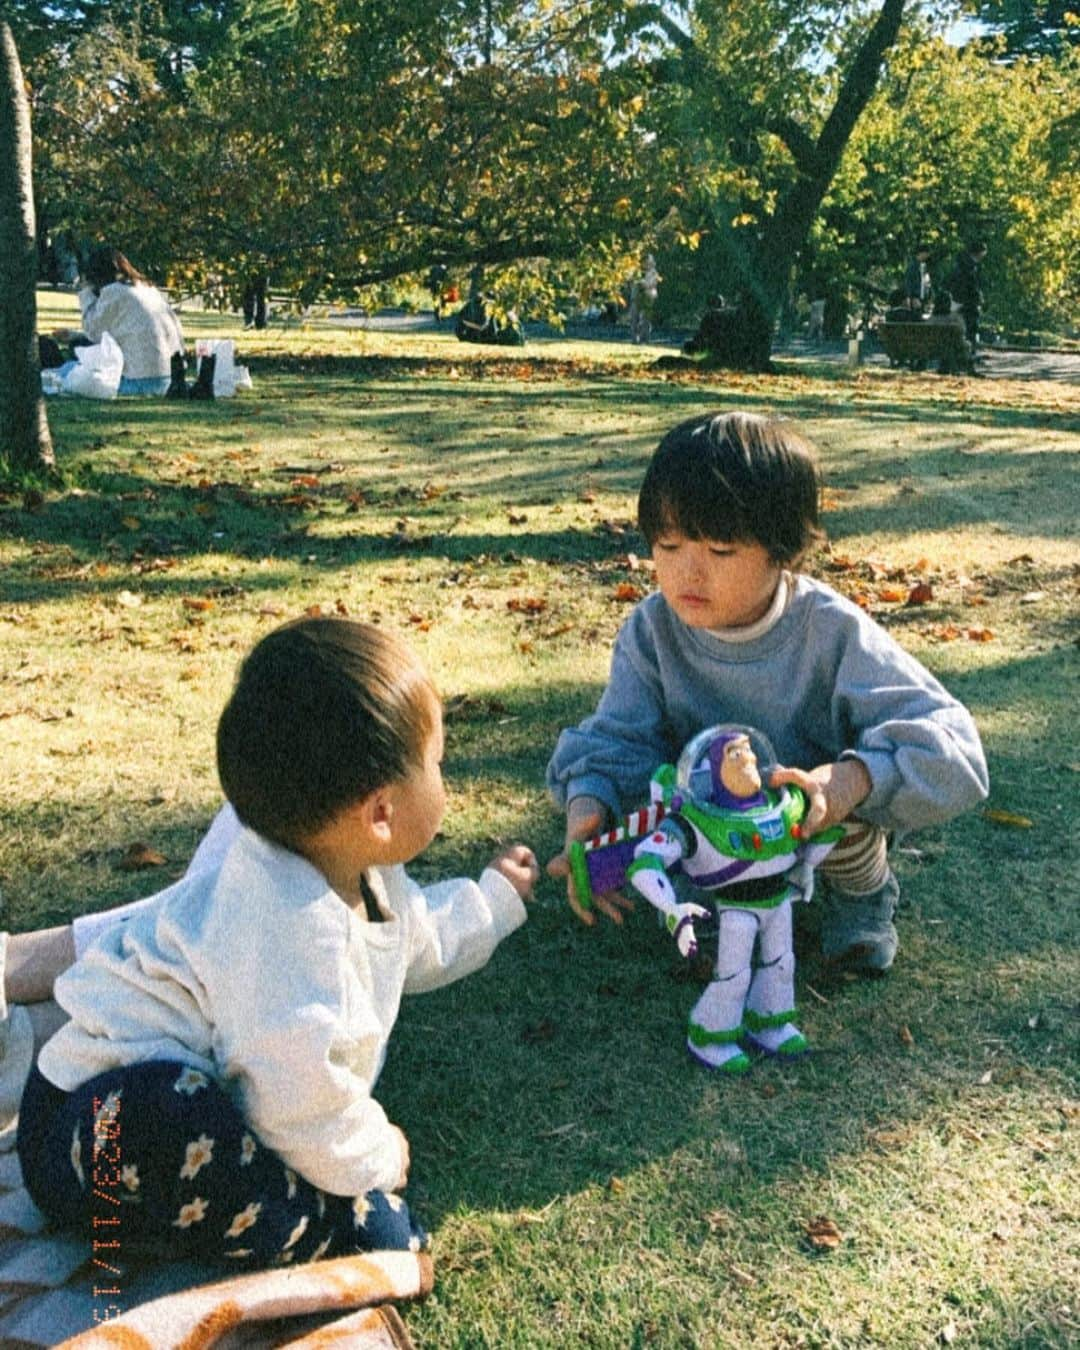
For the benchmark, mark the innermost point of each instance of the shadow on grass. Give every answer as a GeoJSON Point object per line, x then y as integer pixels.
{"type": "Point", "coordinates": [562, 1065]}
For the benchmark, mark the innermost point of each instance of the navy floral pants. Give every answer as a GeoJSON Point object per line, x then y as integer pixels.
{"type": "Point", "coordinates": [155, 1160]}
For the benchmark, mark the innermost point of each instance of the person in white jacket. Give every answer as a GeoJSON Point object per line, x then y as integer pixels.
{"type": "Point", "coordinates": [211, 1093]}
{"type": "Point", "coordinates": [117, 299]}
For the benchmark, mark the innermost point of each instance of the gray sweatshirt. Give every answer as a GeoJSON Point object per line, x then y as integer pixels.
{"type": "Point", "coordinates": [823, 683]}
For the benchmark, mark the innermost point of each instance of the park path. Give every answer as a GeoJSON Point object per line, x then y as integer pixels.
{"type": "Point", "coordinates": [995, 363]}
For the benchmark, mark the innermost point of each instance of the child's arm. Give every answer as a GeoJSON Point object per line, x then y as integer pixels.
{"type": "Point", "coordinates": [612, 754]}
{"type": "Point", "coordinates": [833, 791]}
{"type": "Point", "coordinates": [456, 925]}
{"type": "Point", "coordinates": [918, 744]}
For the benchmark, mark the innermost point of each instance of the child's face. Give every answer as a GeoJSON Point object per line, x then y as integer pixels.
{"type": "Point", "coordinates": [712, 584]}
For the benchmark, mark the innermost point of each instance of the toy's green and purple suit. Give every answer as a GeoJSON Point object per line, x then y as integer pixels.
{"type": "Point", "coordinates": [749, 852]}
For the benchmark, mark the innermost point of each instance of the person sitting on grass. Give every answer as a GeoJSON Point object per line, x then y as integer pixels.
{"type": "Point", "coordinates": [224, 1036]}
{"type": "Point", "coordinates": [117, 299]}
{"type": "Point", "coordinates": [729, 507]}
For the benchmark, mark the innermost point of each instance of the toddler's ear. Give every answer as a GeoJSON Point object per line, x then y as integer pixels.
{"type": "Point", "coordinates": [378, 814]}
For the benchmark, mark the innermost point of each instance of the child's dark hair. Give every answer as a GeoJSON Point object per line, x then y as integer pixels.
{"type": "Point", "coordinates": [324, 711]}
{"type": "Point", "coordinates": [734, 477]}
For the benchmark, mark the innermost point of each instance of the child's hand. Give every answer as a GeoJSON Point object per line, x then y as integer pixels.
{"type": "Point", "coordinates": [403, 1179]}
{"type": "Point", "coordinates": [519, 866]}
{"type": "Point", "coordinates": [833, 791]}
{"type": "Point", "coordinates": [586, 816]}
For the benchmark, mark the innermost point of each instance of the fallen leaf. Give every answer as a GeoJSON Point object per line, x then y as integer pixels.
{"type": "Point", "coordinates": [823, 1233]}
{"type": "Point", "coordinates": [198, 603]}
{"type": "Point", "coordinates": [140, 856]}
{"type": "Point", "coordinates": [980, 634]}
{"type": "Point", "coordinates": [920, 594]}
{"type": "Point", "coordinates": [1009, 818]}
{"type": "Point", "coordinates": [891, 595]}
{"type": "Point", "coordinates": [529, 604]}
{"type": "Point", "coordinates": [905, 1036]}
{"type": "Point", "coordinates": [517, 520]}
{"type": "Point", "coordinates": [616, 1185]}
{"type": "Point", "coordinates": [626, 592]}
{"type": "Point", "coordinates": [131, 523]}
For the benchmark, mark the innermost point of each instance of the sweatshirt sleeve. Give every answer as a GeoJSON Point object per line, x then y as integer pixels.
{"type": "Point", "coordinates": [455, 926]}
{"type": "Point", "coordinates": [96, 313]}
{"type": "Point", "coordinates": [919, 744]}
{"type": "Point", "coordinates": [613, 754]}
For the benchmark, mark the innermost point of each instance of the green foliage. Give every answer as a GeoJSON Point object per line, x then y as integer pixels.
{"type": "Point", "coordinates": [957, 146]}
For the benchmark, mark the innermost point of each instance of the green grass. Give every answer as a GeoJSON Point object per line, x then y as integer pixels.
{"type": "Point", "coordinates": [585, 1184]}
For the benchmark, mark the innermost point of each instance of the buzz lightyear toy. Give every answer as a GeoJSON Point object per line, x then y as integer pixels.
{"type": "Point", "coordinates": [712, 819]}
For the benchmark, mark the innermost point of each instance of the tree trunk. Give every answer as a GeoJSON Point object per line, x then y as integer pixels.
{"type": "Point", "coordinates": [788, 228]}
{"type": "Point", "coordinates": [25, 444]}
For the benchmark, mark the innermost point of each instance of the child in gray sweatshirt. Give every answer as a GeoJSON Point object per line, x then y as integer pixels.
{"type": "Point", "coordinates": [729, 506]}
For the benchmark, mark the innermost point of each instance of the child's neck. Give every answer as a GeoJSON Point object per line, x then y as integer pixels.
{"type": "Point", "coordinates": [777, 605]}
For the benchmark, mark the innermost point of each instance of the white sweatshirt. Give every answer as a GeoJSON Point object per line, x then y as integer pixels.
{"type": "Point", "coordinates": [252, 970]}
{"type": "Point", "coordinates": [140, 319]}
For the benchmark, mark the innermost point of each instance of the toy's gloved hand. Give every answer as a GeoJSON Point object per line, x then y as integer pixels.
{"type": "Point", "coordinates": [680, 924]}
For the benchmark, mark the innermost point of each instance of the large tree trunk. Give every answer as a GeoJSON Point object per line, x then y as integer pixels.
{"type": "Point", "coordinates": [25, 443]}
{"type": "Point", "coordinates": [786, 232]}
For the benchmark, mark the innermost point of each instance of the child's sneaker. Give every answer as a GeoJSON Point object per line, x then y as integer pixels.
{"type": "Point", "coordinates": [857, 930]}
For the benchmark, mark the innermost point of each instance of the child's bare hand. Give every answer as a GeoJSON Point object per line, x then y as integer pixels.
{"type": "Point", "coordinates": [403, 1179]}
{"type": "Point", "coordinates": [833, 791]}
{"type": "Point", "coordinates": [518, 865]}
{"type": "Point", "coordinates": [586, 816]}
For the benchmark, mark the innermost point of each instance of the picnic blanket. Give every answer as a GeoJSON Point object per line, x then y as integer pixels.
{"type": "Point", "coordinates": [56, 1291]}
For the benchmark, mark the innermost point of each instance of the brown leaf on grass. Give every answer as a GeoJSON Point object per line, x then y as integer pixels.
{"type": "Point", "coordinates": [980, 634]}
{"type": "Point", "coordinates": [920, 594]}
{"type": "Point", "coordinates": [892, 595]}
{"type": "Point", "coordinates": [521, 519]}
{"type": "Point", "coordinates": [199, 603]}
{"type": "Point", "coordinates": [139, 857]}
{"type": "Point", "coordinates": [529, 604]}
{"type": "Point", "coordinates": [616, 1185]}
{"type": "Point", "coordinates": [627, 593]}
{"type": "Point", "coordinates": [419, 622]}
{"type": "Point", "coordinates": [823, 1234]}
{"type": "Point", "coordinates": [905, 1037]}
{"type": "Point", "coordinates": [1009, 818]}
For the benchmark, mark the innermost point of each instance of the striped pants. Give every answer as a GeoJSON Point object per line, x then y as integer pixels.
{"type": "Point", "coordinates": [858, 864]}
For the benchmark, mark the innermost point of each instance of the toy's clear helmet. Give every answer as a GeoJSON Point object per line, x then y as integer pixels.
{"type": "Point", "coordinates": [725, 767]}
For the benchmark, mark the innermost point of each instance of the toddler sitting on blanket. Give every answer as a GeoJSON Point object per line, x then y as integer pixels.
{"type": "Point", "coordinates": [211, 1094]}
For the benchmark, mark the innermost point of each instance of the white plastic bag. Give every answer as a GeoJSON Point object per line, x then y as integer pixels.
{"type": "Point", "coordinates": [225, 372]}
{"type": "Point", "coordinates": [98, 370]}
